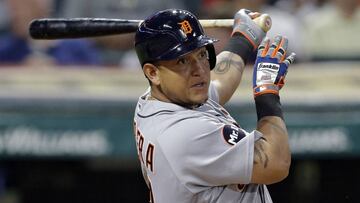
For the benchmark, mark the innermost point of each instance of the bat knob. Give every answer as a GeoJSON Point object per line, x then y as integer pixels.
{"type": "Point", "coordinates": [264, 21]}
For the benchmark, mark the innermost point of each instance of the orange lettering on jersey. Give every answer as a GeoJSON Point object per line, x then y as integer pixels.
{"type": "Point", "coordinates": [139, 138]}
{"type": "Point", "coordinates": [186, 27]}
{"type": "Point", "coordinates": [140, 147]}
{"type": "Point", "coordinates": [150, 157]}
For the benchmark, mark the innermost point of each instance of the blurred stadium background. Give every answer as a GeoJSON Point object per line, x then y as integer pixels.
{"type": "Point", "coordinates": [66, 125]}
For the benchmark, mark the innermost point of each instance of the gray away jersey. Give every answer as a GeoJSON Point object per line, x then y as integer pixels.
{"type": "Point", "coordinates": [195, 155]}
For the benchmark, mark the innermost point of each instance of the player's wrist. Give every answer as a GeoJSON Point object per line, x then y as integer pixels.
{"type": "Point", "coordinates": [268, 104]}
{"type": "Point", "coordinates": [240, 45]}
{"type": "Point", "coordinates": [266, 89]}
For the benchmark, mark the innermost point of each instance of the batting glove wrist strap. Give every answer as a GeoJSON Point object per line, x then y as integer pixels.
{"type": "Point", "coordinates": [239, 45]}
{"type": "Point", "coordinates": [268, 105]}
{"type": "Point", "coordinates": [244, 25]}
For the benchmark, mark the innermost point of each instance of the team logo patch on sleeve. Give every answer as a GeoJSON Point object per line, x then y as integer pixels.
{"type": "Point", "coordinates": [232, 134]}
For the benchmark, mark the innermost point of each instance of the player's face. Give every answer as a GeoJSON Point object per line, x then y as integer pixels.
{"type": "Point", "coordinates": [186, 80]}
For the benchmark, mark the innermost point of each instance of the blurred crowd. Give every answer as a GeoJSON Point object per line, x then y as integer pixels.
{"type": "Point", "coordinates": [318, 30]}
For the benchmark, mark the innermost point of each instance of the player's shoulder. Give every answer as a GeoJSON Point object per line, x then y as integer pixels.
{"type": "Point", "coordinates": [175, 114]}
{"type": "Point", "coordinates": [151, 109]}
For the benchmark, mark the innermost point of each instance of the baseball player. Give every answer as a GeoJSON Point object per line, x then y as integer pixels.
{"type": "Point", "coordinates": [190, 148]}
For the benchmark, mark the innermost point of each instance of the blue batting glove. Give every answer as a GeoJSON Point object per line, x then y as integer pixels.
{"type": "Point", "coordinates": [271, 66]}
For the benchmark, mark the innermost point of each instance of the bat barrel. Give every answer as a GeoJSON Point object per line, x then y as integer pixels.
{"type": "Point", "coordinates": [80, 27]}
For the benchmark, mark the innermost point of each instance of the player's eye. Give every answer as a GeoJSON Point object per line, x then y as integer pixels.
{"type": "Point", "coordinates": [182, 61]}
{"type": "Point", "coordinates": [203, 56]}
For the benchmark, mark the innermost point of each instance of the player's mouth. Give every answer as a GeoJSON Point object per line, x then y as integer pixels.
{"type": "Point", "coordinates": [199, 85]}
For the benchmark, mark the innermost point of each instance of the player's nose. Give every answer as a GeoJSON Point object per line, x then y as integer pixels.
{"type": "Point", "coordinates": [198, 67]}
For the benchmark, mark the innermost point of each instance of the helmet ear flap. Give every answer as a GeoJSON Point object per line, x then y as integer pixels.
{"type": "Point", "coordinates": [212, 55]}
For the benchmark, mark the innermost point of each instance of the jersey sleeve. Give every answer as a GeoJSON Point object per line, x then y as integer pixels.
{"type": "Point", "coordinates": [208, 153]}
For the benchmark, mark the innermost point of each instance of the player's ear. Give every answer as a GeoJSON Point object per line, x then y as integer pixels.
{"type": "Point", "coordinates": [152, 73]}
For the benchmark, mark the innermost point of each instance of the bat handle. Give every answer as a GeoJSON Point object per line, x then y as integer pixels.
{"type": "Point", "coordinates": [264, 21]}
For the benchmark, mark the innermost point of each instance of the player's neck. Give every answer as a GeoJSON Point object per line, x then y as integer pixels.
{"type": "Point", "coordinates": [157, 95]}
{"type": "Point", "coordinates": [150, 97]}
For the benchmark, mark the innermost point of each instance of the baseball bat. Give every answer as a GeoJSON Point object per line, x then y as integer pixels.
{"type": "Point", "coordinates": [63, 28]}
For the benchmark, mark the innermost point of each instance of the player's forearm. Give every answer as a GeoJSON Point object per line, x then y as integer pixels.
{"type": "Point", "coordinates": [227, 74]}
{"type": "Point", "coordinates": [275, 134]}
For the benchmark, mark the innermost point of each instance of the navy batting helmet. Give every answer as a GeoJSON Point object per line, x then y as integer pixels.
{"type": "Point", "coordinates": [170, 34]}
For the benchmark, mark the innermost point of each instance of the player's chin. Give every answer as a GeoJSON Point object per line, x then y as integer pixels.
{"type": "Point", "coordinates": [198, 95]}
{"type": "Point", "coordinates": [200, 98]}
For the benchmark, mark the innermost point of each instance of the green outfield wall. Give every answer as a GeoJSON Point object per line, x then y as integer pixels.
{"type": "Point", "coordinates": [35, 128]}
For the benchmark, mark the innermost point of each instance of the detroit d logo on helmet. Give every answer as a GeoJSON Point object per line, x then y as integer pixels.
{"type": "Point", "coordinates": [186, 27]}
